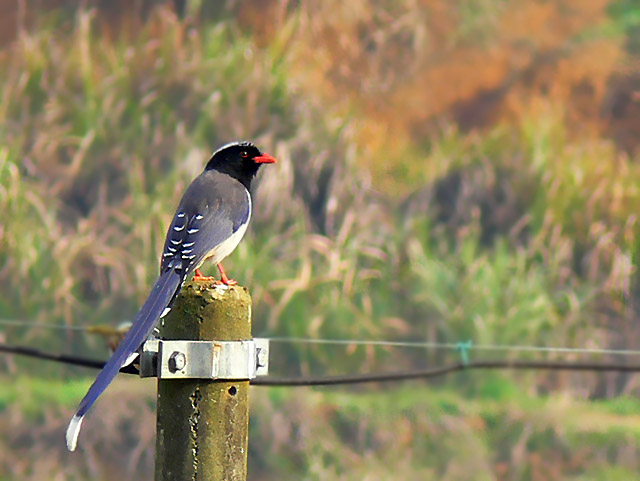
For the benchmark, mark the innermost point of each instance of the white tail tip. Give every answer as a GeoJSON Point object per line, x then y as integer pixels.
{"type": "Point", "coordinates": [72, 432]}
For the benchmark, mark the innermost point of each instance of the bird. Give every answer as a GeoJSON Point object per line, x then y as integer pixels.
{"type": "Point", "coordinates": [209, 223]}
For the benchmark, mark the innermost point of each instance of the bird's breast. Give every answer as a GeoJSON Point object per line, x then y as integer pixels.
{"type": "Point", "coordinates": [227, 246]}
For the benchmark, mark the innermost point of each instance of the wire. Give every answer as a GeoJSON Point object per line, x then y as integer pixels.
{"type": "Point", "coordinates": [364, 342]}
{"type": "Point", "coordinates": [359, 378]}
{"type": "Point", "coordinates": [456, 346]}
{"type": "Point", "coordinates": [16, 322]}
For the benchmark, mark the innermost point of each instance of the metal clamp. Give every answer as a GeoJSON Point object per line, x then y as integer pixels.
{"type": "Point", "coordinates": [205, 359]}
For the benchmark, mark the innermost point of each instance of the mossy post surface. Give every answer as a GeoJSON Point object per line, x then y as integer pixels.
{"type": "Point", "coordinates": [203, 425]}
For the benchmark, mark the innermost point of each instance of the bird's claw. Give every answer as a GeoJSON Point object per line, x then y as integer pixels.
{"type": "Point", "coordinates": [203, 278]}
{"type": "Point", "coordinates": [199, 277]}
{"type": "Point", "coordinates": [224, 279]}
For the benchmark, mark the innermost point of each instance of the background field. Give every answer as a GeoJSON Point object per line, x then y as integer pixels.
{"type": "Point", "coordinates": [449, 171]}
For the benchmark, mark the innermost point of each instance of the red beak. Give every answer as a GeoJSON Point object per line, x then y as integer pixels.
{"type": "Point", "coordinates": [264, 159]}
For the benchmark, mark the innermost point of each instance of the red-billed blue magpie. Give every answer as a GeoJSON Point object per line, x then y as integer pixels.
{"type": "Point", "coordinates": [209, 223]}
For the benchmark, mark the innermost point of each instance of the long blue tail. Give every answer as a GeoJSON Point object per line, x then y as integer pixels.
{"type": "Point", "coordinates": [161, 296]}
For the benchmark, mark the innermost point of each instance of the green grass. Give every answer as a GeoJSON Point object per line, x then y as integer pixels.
{"type": "Point", "coordinates": [35, 396]}
{"type": "Point", "coordinates": [408, 429]}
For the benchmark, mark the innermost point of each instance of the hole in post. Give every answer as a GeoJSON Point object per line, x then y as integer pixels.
{"type": "Point", "coordinates": [233, 390]}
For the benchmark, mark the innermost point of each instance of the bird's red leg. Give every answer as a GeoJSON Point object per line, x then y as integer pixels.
{"type": "Point", "coordinates": [223, 277]}
{"type": "Point", "coordinates": [199, 277]}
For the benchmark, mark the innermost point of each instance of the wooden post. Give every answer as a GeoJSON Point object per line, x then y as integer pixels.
{"type": "Point", "coordinates": [203, 425]}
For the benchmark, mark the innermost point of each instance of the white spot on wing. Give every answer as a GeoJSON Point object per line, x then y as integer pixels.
{"type": "Point", "coordinates": [178, 228]}
{"type": "Point", "coordinates": [132, 357]}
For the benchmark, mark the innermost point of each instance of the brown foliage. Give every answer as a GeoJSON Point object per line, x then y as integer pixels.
{"type": "Point", "coordinates": [115, 15]}
{"type": "Point", "coordinates": [406, 66]}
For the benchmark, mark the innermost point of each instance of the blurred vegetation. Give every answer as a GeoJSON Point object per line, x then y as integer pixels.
{"type": "Point", "coordinates": [448, 171]}
{"type": "Point", "coordinates": [408, 432]}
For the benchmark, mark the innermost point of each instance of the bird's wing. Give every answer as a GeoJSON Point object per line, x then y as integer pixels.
{"type": "Point", "coordinates": [214, 207]}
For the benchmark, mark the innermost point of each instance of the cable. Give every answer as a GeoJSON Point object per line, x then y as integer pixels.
{"type": "Point", "coordinates": [442, 370]}
{"type": "Point", "coordinates": [359, 378]}
{"type": "Point", "coordinates": [61, 358]}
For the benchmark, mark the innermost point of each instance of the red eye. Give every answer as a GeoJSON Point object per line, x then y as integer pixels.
{"type": "Point", "coordinates": [244, 154]}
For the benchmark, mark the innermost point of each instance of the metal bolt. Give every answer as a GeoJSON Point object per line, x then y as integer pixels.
{"type": "Point", "coordinates": [261, 357]}
{"type": "Point", "coordinates": [177, 361]}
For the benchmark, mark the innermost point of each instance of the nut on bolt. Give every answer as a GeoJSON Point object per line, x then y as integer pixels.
{"type": "Point", "coordinates": [177, 361]}
{"type": "Point", "coordinates": [261, 357]}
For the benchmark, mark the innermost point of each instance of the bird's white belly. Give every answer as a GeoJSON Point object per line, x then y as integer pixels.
{"type": "Point", "coordinates": [225, 248]}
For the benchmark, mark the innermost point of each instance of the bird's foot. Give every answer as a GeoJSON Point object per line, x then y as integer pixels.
{"type": "Point", "coordinates": [224, 279]}
{"type": "Point", "coordinates": [199, 277]}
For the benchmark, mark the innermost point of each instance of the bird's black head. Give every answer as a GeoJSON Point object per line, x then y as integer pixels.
{"type": "Point", "coordinates": [240, 160]}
